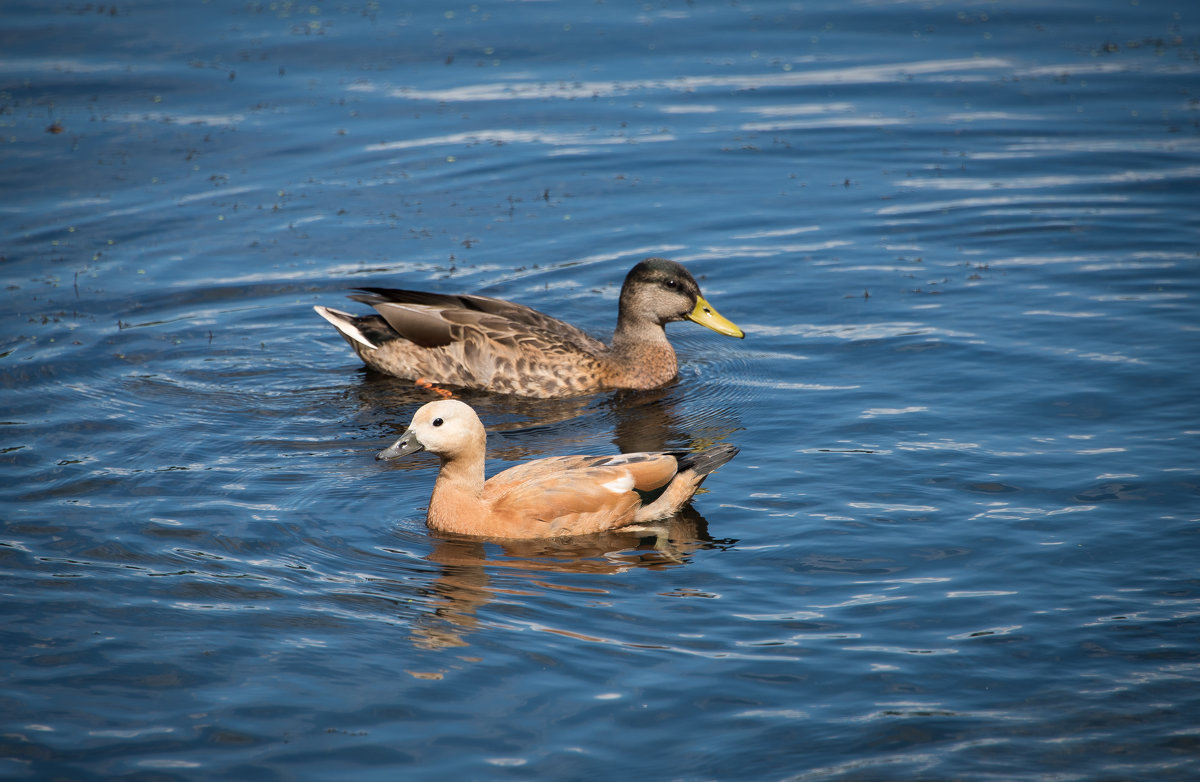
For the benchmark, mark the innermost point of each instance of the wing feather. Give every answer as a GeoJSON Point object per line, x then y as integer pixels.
{"type": "Point", "coordinates": [420, 326]}
{"type": "Point", "coordinates": [574, 494]}
{"type": "Point", "coordinates": [506, 317]}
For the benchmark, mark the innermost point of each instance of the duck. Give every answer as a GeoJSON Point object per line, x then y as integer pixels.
{"type": "Point", "coordinates": [468, 341]}
{"type": "Point", "coordinates": [552, 497]}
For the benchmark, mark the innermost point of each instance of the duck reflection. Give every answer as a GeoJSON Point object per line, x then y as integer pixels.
{"type": "Point", "coordinates": [464, 581]}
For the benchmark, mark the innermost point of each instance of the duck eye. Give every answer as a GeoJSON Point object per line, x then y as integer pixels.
{"type": "Point", "coordinates": [672, 284]}
{"type": "Point", "coordinates": [438, 422]}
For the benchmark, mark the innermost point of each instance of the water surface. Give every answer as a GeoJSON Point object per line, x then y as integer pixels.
{"type": "Point", "coordinates": [960, 539]}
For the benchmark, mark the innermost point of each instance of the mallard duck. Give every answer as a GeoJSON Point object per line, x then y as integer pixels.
{"type": "Point", "coordinates": [544, 498]}
{"type": "Point", "coordinates": [477, 342]}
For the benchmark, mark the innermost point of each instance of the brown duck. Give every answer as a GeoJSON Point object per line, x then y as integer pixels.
{"type": "Point", "coordinates": [477, 342]}
{"type": "Point", "coordinates": [543, 498]}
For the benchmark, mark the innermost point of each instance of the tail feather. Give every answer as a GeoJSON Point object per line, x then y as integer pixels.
{"type": "Point", "coordinates": [693, 468]}
{"type": "Point", "coordinates": [704, 462]}
{"type": "Point", "coordinates": [344, 322]}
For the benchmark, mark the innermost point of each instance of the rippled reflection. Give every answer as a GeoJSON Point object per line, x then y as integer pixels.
{"type": "Point", "coordinates": [464, 584]}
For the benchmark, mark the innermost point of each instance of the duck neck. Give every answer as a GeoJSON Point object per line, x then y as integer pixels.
{"type": "Point", "coordinates": [457, 500]}
{"type": "Point", "coordinates": [643, 354]}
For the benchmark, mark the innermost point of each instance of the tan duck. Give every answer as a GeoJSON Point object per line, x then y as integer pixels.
{"type": "Point", "coordinates": [544, 498]}
{"type": "Point", "coordinates": [477, 342]}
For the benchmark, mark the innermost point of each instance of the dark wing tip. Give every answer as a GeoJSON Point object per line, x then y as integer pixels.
{"type": "Point", "coordinates": [704, 462]}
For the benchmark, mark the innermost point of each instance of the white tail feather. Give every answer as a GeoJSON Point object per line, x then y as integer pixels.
{"type": "Point", "coordinates": [344, 322]}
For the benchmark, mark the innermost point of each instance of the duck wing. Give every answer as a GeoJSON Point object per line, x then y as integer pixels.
{"type": "Point", "coordinates": [428, 319]}
{"type": "Point", "coordinates": [571, 495]}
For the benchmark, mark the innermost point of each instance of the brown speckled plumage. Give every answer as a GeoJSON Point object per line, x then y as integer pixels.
{"type": "Point", "coordinates": [478, 342]}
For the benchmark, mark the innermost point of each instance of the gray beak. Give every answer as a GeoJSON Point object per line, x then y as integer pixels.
{"type": "Point", "coordinates": [407, 444]}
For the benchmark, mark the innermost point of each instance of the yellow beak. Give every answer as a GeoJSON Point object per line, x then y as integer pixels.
{"type": "Point", "coordinates": [706, 316]}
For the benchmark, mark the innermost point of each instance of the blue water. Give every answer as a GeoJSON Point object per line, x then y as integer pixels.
{"type": "Point", "coordinates": [960, 540]}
